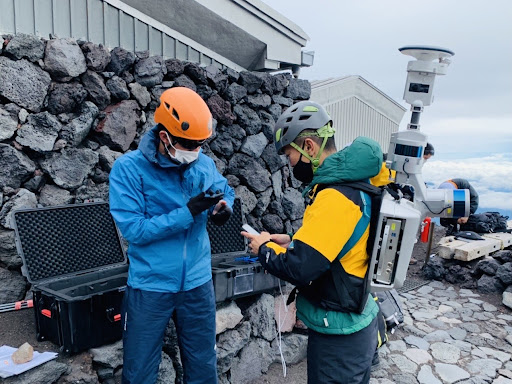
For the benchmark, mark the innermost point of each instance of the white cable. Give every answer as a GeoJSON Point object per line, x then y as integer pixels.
{"type": "Point", "coordinates": [279, 327]}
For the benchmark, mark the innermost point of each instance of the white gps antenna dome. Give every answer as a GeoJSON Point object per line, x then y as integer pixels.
{"type": "Point", "coordinates": [426, 52]}
{"type": "Point", "coordinates": [430, 61]}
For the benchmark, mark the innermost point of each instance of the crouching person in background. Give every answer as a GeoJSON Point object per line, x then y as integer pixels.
{"type": "Point", "coordinates": [453, 224]}
{"type": "Point", "coordinates": [342, 336]}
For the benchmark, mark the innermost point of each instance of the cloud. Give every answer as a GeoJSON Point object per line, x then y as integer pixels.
{"type": "Point", "coordinates": [471, 113]}
{"type": "Point", "coordinates": [343, 37]}
{"type": "Point", "coordinates": [468, 135]}
{"type": "Point", "coordinates": [491, 177]}
{"type": "Point", "coordinates": [461, 126]}
{"type": "Point", "coordinates": [495, 200]}
{"type": "Point", "coordinates": [471, 110]}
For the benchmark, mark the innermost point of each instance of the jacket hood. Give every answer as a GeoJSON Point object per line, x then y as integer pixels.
{"type": "Point", "coordinates": [361, 160]}
{"type": "Point", "coordinates": [149, 147]}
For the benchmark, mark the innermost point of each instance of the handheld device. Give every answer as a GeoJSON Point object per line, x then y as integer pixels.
{"type": "Point", "coordinates": [247, 228]}
{"type": "Point", "coordinates": [219, 195]}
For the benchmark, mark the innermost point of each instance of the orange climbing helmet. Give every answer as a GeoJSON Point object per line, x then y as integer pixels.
{"type": "Point", "coordinates": [184, 114]}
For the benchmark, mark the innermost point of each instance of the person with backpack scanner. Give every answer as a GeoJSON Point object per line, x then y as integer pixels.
{"type": "Point", "coordinates": [327, 258]}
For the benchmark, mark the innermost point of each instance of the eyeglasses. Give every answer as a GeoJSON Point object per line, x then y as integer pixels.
{"type": "Point", "coordinates": [188, 144]}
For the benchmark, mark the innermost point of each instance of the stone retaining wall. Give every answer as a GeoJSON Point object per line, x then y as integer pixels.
{"type": "Point", "coordinates": [69, 109]}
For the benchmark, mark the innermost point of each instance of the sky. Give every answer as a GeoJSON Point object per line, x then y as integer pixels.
{"type": "Point", "coordinates": [471, 115]}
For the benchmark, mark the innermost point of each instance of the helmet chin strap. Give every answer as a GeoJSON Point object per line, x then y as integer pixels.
{"type": "Point", "coordinates": [315, 162]}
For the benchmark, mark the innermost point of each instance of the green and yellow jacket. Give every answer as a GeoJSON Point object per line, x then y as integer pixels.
{"type": "Point", "coordinates": [328, 223]}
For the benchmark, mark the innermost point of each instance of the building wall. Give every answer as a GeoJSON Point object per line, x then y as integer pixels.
{"type": "Point", "coordinates": [352, 117]}
{"type": "Point", "coordinates": [358, 109]}
{"type": "Point", "coordinates": [111, 23]}
{"type": "Point", "coordinates": [242, 34]}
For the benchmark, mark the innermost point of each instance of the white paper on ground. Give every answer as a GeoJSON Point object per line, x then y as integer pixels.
{"type": "Point", "coordinates": [8, 368]}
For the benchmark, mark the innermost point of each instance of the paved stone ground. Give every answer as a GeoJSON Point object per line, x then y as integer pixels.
{"type": "Point", "coordinates": [449, 335]}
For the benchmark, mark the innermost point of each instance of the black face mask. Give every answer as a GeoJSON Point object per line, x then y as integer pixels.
{"type": "Point", "coordinates": [303, 171]}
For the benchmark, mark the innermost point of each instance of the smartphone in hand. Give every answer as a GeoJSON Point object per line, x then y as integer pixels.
{"type": "Point", "coordinates": [247, 228]}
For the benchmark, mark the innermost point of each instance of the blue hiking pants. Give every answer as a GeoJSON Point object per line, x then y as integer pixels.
{"type": "Point", "coordinates": [145, 317]}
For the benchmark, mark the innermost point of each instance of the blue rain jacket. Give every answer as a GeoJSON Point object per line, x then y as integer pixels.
{"type": "Point", "coordinates": [169, 249]}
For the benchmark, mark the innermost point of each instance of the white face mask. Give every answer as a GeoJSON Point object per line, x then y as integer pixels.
{"type": "Point", "coordinates": [181, 156]}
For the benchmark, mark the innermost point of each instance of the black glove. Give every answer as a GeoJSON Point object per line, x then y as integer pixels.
{"type": "Point", "coordinates": [201, 202]}
{"type": "Point", "coordinates": [222, 215]}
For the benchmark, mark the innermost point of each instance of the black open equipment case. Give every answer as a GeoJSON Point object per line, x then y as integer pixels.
{"type": "Point", "coordinates": [74, 259]}
{"type": "Point", "coordinates": [236, 273]}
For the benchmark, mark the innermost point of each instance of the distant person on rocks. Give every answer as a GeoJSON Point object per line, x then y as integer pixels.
{"type": "Point", "coordinates": [161, 196]}
{"type": "Point", "coordinates": [428, 152]}
{"type": "Point", "coordinates": [327, 248]}
{"type": "Point", "coordinates": [451, 224]}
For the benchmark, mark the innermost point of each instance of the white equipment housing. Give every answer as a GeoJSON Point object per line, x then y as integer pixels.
{"type": "Point", "coordinates": [399, 220]}
{"type": "Point", "coordinates": [395, 238]}
{"type": "Point", "coordinates": [421, 73]}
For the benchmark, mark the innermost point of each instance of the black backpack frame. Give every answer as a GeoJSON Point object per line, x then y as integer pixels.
{"type": "Point", "coordinates": [376, 194]}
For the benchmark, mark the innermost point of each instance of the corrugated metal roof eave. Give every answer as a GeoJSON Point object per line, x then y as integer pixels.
{"type": "Point", "coordinates": [332, 81]}
{"type": "Point", "coordinates": [276, 16]}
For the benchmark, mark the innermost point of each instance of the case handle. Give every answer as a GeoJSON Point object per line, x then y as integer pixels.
{"type": "Point", "coordinates": [47, 313]}
{"type": "Point", "coordinates": [111, 316]}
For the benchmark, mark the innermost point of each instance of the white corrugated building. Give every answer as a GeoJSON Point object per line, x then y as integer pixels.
{"type": "Point", "coordinates": [358, 109]}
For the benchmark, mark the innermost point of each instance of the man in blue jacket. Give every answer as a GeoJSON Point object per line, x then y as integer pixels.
{"type": "Point", "coordinates": [161, 196]}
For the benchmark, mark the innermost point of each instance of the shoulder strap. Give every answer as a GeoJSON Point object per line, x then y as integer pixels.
{"type": "Point", "coordinates": [375, 193]}
{"type": "Point", "coordinates": [359, 185]}
{"type": "Point", "coordinates": [360, 227]}
{"type": "Point", "coordinates": [363, 186]}
{"type": "Point", "coordinates": [368, 193]}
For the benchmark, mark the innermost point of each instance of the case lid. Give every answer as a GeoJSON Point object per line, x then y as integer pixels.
{"type": "Point", "coordinates": [63, 241]}
{"type": "Point", "coordinates": [226, 240]}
